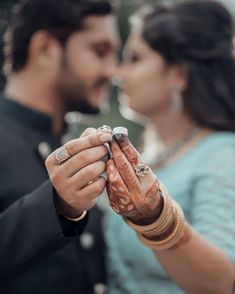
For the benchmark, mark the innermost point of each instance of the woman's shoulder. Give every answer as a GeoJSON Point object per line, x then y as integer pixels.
{"type": "Point", "coordinates": [220, 138]}
{"type": "Point", "coordinates": [218, 147]}
{"type": "Point", "coordinates": [217, 153]}
{"type": "Point", "coordinates": [219, 142]}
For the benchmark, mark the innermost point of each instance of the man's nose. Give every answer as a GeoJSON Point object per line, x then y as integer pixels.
{"type": "Point", "coordinates": [118, 77]}
{"type": "Point", "coordinates": [111, 67]}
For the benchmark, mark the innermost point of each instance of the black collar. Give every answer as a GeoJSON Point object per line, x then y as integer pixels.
{"type": "Point", "coordinates": [25, 115]}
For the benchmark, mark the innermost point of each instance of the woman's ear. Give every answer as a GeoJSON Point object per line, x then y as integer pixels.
{"type": "Point", "coordinates": [180, 78]}
{"type": "Point", "coordinates": [178, 84]}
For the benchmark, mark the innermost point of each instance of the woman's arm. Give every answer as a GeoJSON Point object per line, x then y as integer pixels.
{"type": "Point", "coordinates": [194, 263]}
{"type": "Point", "coordinates": [198, 266]}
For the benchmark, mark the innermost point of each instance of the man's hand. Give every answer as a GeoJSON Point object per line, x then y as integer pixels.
{"type": "Point", "coordinates": [78, 180]}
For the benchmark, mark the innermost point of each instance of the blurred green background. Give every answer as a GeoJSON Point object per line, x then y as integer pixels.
{"type": "Point", "coordinates": [111, 115]}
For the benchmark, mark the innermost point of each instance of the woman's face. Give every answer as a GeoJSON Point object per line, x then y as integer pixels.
{"type": "Point", "coordinates": [147, 81]}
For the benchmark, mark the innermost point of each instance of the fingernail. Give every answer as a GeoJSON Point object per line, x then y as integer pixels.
{"type": "Point", "coordinates": [105, 138]}
{"type": "Point", "coordinates": [121, 134]}
{"type": "Point", "coordinates": [122, 139]}
{"type": "Point", "coordinates": [120, 130]}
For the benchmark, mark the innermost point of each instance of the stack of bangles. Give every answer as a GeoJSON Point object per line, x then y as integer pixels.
{"type": "Point", "coordinates": [167, 230]}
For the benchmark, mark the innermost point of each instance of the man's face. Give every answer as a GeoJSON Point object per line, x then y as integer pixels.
{"type": "Point", "coordinates": [88, 63]}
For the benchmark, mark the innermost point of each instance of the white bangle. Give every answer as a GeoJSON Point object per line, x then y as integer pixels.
{"type": "Point", "coordinates": [76, 219]}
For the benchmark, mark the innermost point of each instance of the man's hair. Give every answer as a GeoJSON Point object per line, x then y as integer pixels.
{"type": "Point", "coordinates": [60, 18]}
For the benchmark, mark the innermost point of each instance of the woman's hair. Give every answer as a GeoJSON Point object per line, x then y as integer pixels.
{"type": "Point", "coordinates": [198, 35]}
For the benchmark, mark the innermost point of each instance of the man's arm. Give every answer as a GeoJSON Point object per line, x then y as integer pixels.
{"type": "Point", "coordinates": [31, 228]}
{"type": "Point", "coordinates": [46, 219]}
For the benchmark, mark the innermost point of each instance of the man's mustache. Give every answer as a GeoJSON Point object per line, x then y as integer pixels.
{"type": "Point", "coordinates": [104, 82]}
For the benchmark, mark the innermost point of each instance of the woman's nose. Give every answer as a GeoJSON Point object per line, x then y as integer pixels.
{"type": "Point", "coordinates": [117, 81]}
{"type": "Point", "coordinates": [119, 77]}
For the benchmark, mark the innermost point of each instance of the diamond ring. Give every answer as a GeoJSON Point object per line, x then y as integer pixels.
{"type": "Point", "coordinates": [62, 154]}
{"type": "Point", "coordinates": [141, 169]}
{"type": "Point", "coordinates": [105, 129]}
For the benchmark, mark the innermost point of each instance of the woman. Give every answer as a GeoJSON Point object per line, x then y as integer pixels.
{"type": "Point", "coordinates": [179, 73]}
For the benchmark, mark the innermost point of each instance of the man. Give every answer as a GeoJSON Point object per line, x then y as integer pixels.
{"type": "Point", "coordinates": [59, 57]}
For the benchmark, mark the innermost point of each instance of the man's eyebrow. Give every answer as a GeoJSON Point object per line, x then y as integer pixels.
{"type": "Point", "coordinates": [106, 44]}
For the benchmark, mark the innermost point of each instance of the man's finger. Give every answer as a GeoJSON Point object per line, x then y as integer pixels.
{"type": "Point", "coordinates": [77, 145]}
{"type": "Point", "coordinates": [88, 174]}
{"type": "Point", "coordinates": [82, 159]}
{"type": "Point", "coordinates": [91, 192]}
{"type": "Point", "coordinates": [88, 131]}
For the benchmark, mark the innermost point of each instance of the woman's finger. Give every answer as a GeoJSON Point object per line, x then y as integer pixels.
{"type": "Point", "coordinates": [125, 169]}
{"type": "Point", "coordinates": [128, 149]}
{"type": "Point", "coordinates": [119, 196]}
{"type": "Point", "coordinates": [141, 170]}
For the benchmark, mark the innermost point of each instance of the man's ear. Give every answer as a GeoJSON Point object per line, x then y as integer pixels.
{"type": "Point", "coordinates": [44, 50]}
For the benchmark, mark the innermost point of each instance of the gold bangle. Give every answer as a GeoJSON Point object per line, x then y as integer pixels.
{"type": "Point", "coordinates": [165, 226]}
{"type": "Point", "coordinates": [76, 219]}
{"type": "Point", "coordinates": [173, 238]}
{"type": "Point", "coordinates": [164, 220]}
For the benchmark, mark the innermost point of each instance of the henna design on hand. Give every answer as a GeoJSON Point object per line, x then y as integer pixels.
{"type": "Point", "coordinates": [129, 195]}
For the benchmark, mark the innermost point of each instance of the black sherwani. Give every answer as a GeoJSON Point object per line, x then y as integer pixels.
{"type": "Point", "coordinates": [40, 252]}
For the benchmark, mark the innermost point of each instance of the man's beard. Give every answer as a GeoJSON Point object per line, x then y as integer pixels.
{"type": "Point", "coordinates": [82, 105]}
{"type": "Point", "coordinates": [74, 93]}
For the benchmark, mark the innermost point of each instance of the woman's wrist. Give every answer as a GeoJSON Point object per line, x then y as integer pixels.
{"type": "Point", "coordinates": [151, 213]}
{"type": "Point", "coordinates": [166, 230]}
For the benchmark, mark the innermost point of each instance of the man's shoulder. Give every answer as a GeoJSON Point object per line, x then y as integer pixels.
{"type": "Point", "coordinates": [8, 129]}
{"type": "Point", "coordinates": [10, 136]}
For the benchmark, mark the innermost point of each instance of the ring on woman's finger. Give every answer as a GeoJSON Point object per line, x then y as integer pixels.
{"type": "Point", "coordinates": [141, 169]}
{"type": "Point", "coordinates": [62, 154]}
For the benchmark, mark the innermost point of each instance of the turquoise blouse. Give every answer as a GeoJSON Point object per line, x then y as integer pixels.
{"type": "Point", "coordinates": [203, 183]}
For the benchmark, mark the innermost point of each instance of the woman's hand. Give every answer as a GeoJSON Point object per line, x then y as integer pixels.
{"type": "Point", "coordinates": [132, 187]}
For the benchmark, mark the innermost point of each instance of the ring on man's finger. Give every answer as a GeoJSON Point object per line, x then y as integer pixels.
{"type": "Point", "coordinates": [62, 154]}
{"type": "Point", "coordinates": [105, 129]}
